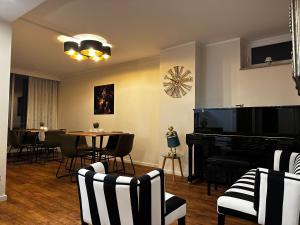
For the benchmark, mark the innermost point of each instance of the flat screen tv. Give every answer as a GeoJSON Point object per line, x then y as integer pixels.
{"type": "Point", "coordinates": [274, 120]}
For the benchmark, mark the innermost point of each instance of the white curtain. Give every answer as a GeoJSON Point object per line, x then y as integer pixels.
{"type": "Point", "coordinates": [42, 103]}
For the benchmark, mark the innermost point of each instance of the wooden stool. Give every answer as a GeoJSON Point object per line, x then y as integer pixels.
{"type": "Point", "coordinates": [177, 156]}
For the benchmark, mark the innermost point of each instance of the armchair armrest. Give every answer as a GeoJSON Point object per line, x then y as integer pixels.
{"type": "Point", "coordinates": [98, 167]}
{"type": "Point", "coordinates": [277, 197]}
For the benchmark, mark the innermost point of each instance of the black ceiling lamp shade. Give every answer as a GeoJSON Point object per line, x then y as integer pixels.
{"type": "Point", "coordinates": [86, 46]}
{"type": "Point", "coordinates": [71, 48]}
{"type": "Point", "coordinates": [106, 52]}
{"type": "Point", "coordinates": [91, 48]}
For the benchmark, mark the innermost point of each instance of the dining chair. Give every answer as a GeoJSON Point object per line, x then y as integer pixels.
{"type": "Point", "coordinates": [69, 151]}
{"type": "Point", "coordinates": [118, 147]}
{"type": "Point", "coordinates": [14, 143]}
{"type": "Point", "coordinates": [82, 144]}
{"type": "Point", "coordinates": [51, 143]}
{"type": "Point", "coordinates": [25, 143]}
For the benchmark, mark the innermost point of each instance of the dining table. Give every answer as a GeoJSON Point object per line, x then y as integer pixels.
{"type": "Point", "coordinates": [94, 135]}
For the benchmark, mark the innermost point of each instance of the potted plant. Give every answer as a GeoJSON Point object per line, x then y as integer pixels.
{"type": "Point", "coordinates": [96, 125]}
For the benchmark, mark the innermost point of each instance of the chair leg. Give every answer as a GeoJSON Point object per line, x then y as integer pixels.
{"type": "Point", "coordinates": [181, 221]}
{"type": "Point", "coordinates": [116, 164]}
{"type": "Point", "coordinates": [123, 164]}
{"type": "Point", "coordinates": [57, 172]}
{"type": "Point", "coordinates": [132, 164]}
{"type": "Point", "coordinates": [221, 219]}
{"type": "Point", "coordinates": [67, 169]}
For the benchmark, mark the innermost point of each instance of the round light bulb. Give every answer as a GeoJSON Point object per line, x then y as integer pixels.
{"type": "Point", "coordinates": [106, 56]}
{"type": "Point", "coordinates": [96, 58]}
{"type": "Point", "coordinates": [71, 52]}
{"type": "Point", "coordinates": [79, 57]}
{"type": "Point", "coordinates": [92, 52]}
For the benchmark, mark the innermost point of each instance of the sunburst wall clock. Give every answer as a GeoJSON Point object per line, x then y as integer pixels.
{"type": "Point", "coordinates": [177, 82]}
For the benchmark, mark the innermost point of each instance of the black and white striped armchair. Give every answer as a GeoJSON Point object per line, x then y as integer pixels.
{"type": "Point", "coordinates": [118, 200]}
{"type": "Point", "coordinates": [268, 197]}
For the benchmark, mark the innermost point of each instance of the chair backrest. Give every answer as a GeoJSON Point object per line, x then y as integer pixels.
{"type": "Point", "coordinates": [52, 137]}
{"type": "Point", "coordinates": [82, 143]}
{"type": "Point", "coordinates": [112, 142]}
{"type": "Point", "coordinates": [113, 200]}
{"type": "Point", "coordinates": [297, 165]}
{"type": "Point", "coordinates": [107, 199]}
{"type": "Point", "coordinates": [68, 145]}
{"type": "Point", "coordinates": [284, 161]}
{"type": "Point", "coordinates": [14, 138]}
{"type": "Point", "coordinates": [28, 137]}
{"type": "Point", "coordinates": [124, 145]}
{"type": "Point", "coordinates": [152, 198]}
{"type": "Point", "coordinates": [277, 197]}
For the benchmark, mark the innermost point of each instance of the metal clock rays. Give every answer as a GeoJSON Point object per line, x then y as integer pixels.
{"type": "Point", "coordinates": [177, 82]}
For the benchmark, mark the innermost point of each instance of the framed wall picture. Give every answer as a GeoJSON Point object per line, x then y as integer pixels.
{"type": "Point", "coordinates": [104, 99]}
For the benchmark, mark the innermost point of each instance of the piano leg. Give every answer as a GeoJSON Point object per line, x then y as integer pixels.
{"type": "Point", "coordinates": [198, 162]}
{"type": "Point", "coordinates": [190, 176]}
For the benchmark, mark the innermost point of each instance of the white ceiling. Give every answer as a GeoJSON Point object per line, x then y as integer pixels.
{"type": "Point", "coordinates": [10, 10]}
{"type": "Point", "coordinates": [137, 28]}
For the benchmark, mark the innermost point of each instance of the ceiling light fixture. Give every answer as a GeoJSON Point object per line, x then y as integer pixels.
{"type": "Point", "coordinates": [84, 46]}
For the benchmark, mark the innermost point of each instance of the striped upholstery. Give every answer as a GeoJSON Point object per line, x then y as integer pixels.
{"type": "Point", "coordinates": [284, 161]}
{"type": "Point", "coordinates": [261, 193]}
{"type": "Point", "coordinates": [158, 207]}
{"type": "Point", "coordinates": [277, 197]}
{"type": "Point", "coordinates": [120, 200]}
{"type": "Point", "coordinates": [239, 199]}
{"type": "Point", "coordinates": [297, 165]}
{"type": "Point", "coordinates": [98, 167]}
{"type": "Point", "coordinates": [106, 199]}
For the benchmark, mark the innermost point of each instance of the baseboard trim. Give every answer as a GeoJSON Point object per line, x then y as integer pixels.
{"type": "Point", "coordinates": [3, 198]}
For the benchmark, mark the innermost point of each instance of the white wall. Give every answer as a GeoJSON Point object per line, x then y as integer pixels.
{"type": "Point", "coordinates": [177, 112]}
{"type": "Point", "coordinates": [137, 105]}
{"type": "Point", "coordinates": [224, 84]}
{"type": "Point", "coordinates": [267, 86]}
{"type": "Point", "coordinates": [5, 48]}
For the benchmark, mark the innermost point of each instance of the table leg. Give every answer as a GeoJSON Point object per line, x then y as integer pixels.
{"type": "Point", "coordinates": [179, 160]}
{"type": "Point", "coordinates": [94, 149]}
{"type": "Point", "coordinates": [164, 162]}
{"type": "Point", "coordinates": [173, 169]}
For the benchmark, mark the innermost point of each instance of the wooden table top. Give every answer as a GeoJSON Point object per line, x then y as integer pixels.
{"type": "Point", "coordinates": [31, 130]}
{"type": "Point", "coordinates": [94, 134]}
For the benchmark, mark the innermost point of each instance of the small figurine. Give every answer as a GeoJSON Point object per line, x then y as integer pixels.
{"type": "Point", "coordinates": [172, 141]}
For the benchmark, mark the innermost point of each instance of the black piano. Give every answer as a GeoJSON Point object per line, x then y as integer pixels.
{"type": "Point", "coordinates": [252, 133]}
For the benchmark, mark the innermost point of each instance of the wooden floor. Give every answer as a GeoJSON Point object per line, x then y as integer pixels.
{"type": "Point", "coordinates": [36, 196]}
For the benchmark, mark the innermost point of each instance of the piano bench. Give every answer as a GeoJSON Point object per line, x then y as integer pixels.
{"type": "Point", "coordinates": [231, 167]}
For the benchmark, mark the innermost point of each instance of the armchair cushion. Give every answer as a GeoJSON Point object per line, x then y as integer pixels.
{"type": "Point", "coordinates": [175, 208]}
{"type": "Point", "coordinates": [239, 199]}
